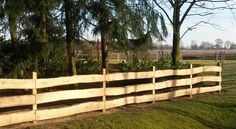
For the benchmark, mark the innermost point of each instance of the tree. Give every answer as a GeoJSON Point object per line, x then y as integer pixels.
{"type": "Point", "coordinates": [12, 10]}
{"type": "Point", "coordinates": [70, 34]}
{"type": "Point", "coordinates": [219, 43]}
{"type": "Point", "coordinates": [193, 45]}
{"type": "Point", "coordinates": [205, 45]}
{"type": "Point", "coordinates": [227, 44]}
{"type": "Point", "coordinates": [233, 46]}
{"type": "Point", "coordinates": [181, 9]}
{"type": "Point", "coordinates": [115, 20]}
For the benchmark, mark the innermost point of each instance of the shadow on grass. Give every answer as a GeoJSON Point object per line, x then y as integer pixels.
{"type": "Point", "coordinates": [208, 124]}
{"type": "Point", "coordinates": [224, 104]}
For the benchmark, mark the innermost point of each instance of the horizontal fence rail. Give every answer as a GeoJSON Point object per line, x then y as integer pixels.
{"type": "Point", "coordinates": [107, 91]}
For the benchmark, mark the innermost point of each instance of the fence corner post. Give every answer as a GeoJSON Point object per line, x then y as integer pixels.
{"type": "Point", "coordinates": [34, 92]}
{"type": "Point", "coordinates": [104, 89]}
{"type": "Point", "coordinates": [191, 80]}
{"type": "Point", "coordinates": [154, 84]}
{"type": "Point", "coordinates": [219, 74]}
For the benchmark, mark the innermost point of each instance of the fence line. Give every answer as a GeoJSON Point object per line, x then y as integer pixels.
{"type": "Point", "coordinates": [111, 96]}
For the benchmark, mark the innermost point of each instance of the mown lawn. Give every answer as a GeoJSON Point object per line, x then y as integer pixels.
{"type": "Point", "coordinates": [208, 111]}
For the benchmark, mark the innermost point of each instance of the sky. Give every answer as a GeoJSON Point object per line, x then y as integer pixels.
{"type": "Point", "coordinates": [226, 30]}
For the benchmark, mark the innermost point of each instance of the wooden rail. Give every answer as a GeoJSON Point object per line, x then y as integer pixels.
{"type": "Point", "coordinates": [111, 96]}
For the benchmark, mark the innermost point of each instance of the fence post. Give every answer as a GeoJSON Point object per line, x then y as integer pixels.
{"type": "Point", "coordinates": [219, 74]}
{"type": "Point", "coordinates": [154, 83]}
{"type": "Point", "coordinates": [104, 89]}
{"type": "Point", "coordinates": [118, 57]}
{"type": "Point", "coordinates": [34, 91]}
{"type": "Point", "coordinates": [191, 80]}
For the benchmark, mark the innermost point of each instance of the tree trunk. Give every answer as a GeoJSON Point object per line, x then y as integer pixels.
{"type": "Point", "coordinates": [13, 30]}
{"type": "Point", "coordinates": [103, 23]}
{"type": "Point", "coordinates": [103, 49]}
{"type": "Point", "coordinates": [70, 35]}
{"type": "Point", "coordinates": [175, 54]}
{"type": "Point", "coordinates": [43, 26]}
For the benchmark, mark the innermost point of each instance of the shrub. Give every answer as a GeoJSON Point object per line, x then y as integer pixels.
{"type": "Point", "coordinates": [146, 65]}
{"type": "Point", "coordinates": [47, 59]}
{"type": "Point", "coordinates": [88, 66]}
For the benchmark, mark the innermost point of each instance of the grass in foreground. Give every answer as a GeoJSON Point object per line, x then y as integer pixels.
{"type": "Point", "coordinates": [208, 111]}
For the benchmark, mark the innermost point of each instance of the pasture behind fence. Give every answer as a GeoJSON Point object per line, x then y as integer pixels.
{"type": "Point", "coordinates": [59, 97]}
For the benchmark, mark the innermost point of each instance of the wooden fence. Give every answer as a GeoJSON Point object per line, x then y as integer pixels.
{"type": "Point", "coordinates": [107, 96]}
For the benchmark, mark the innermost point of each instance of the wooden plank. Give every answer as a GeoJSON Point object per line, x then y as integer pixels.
{"type": "Point", "coordinates": [173, 83]}
{"type": "Point", "coordinates": [67, 111]}
{"type": "Point", "coordinates": [129, 100]}
{"type": "Point", "coordinates": [68, 94]}
{"type": "Point", "coordinates": [205, 89]}
{"type": "Point", "coordinates": [112, 91]}
{"type": "Point", "coordinates": [14, 118]}
{"type": "Point", "coordinates": [16, 101]}
{"type": "Point", "coordinates": [16, 84]}
{"type": "Point", "coordinates": [173, 94]}
{"type": "Point", "coordinates": [206, 79]}
{"type": "Point", "coordinates": [198, 70]}
{"type": "Point", "coordinates": [212, 69]}
{"type": "Point", "coordinates": [206, 69]}
{"type": "Point", "coordinates": [129, 76]}
{"type": "Point", "coordinates": [164, 73]}
{"type": "Point", "coordinates": [51, 82]}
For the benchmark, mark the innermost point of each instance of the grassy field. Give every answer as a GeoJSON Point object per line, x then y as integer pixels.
{"type": "Point", "coordinates": [206, 111]}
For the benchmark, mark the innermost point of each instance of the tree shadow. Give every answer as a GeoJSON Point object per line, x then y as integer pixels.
{"type": "Point", "coordinates": [224, 105]}
{"type": "Point", "coordinates": [209, 124]}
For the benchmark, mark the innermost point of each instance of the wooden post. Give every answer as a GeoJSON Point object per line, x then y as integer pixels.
{"type": "Point", "coordinates": [191, 80]}
{"type": "Point", "coordinates": [154, 83]}
{"type": "Point", "coordinates": [157, 56]}
{"type": "Point", "coordinates": [118, 57]}
{"type": "Point", "coordinates": [162, 54]}
{"type": "Point", "coordinates": [34, 92]}
{"type": "Point", "coordinates": [104, 89]}
{"type": "Point", "coordinates": [220, 56]}
{"type": "Point", "coordinates": [216, 56]}
{"type": "Point", "coordinates": [219, 74]}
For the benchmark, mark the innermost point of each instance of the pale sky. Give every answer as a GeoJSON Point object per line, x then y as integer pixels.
{"type": "Point", "coordinates": [224, 19]}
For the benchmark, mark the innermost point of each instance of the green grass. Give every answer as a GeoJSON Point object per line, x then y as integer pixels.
{"type": "Point", "coordinates": [207, 111]}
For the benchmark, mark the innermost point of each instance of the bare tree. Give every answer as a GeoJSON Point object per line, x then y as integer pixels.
{"type": "Point", "coordinates": [219, 43]}
{"type": "Point", "coordinates": [233, 46]}
{"type": "Point", "coordinates": [227, 44]}
{"type": "Point", "coordinates": [193, 45]}
{"type": "Point", "coordinates": [181, 9]}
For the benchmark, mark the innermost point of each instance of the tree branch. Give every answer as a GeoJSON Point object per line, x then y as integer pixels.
{"type": "Point", "coordinates": [168, 17]}
{"type": "Point", "coordinates": [197, 24]}
{"type": "Point", "coordinates": [187, 11]}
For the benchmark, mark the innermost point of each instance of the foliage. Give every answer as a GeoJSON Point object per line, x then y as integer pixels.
{"type": "Point", "coordinates": [48, 60]}
{"type": "Point", "coordinates": [134, 66]}
{"type": "Point", "coordinates": [147, 65]}
{"type": "Point", "coordinates": [88, 66]}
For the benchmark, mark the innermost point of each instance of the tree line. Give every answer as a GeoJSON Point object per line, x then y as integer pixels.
{"type": "Point", "coordinates": [218, 45]}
